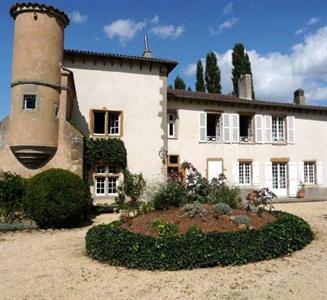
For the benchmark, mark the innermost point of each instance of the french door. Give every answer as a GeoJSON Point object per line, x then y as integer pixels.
{"type": "Point", "coordinates": [279, 179]}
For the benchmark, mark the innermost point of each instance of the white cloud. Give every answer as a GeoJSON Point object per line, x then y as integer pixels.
{"type": "Point", "coordinates": [124, 30]}
{"type": "Point", "coordinates": [77, 17]}
{"type": "Point", "coordinates": [277, 75]}
{"type": "Point", "coordinates": [190, 70]}
{"type": "Point", "coordinates": [155, 20]}
{"type": "Point", "coordinates": [223, 26]}
{"type": "Point", "coordinates": [311, 21]}
{"type": "Point", "coordinates": [228, 8]}
{"type": "Point", "coordinates": [167, 31]}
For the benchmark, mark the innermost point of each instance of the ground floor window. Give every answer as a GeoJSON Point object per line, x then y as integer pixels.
{"type": "Point", "coordinates": [309, 173]}
{"type": "Point", "coordinates": [279, 176]}
{"type": "Point", "coordinates": [106, 180]}
{"type": "Point", "coordinates": [244, 172]}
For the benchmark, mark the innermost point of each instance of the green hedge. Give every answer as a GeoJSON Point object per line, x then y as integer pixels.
{"type": "Point", "coordinates": [117, 246]}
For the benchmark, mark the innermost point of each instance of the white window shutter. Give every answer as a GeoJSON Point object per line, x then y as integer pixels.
{"type": "Point", "coordinates": [203, 127]}
{"type": "Point", "coordinates": [226, 128]}
{"type": "Point", "coordinates": [290, 129]}
{"type": "Point", "coordinates": [292, 178]}
{"type": "Point", "coordinates": [268, 124]}
{"type": "Point", "coordinates": [300, 172]}
{"type": "Point", "coordinates": [255, 173]}
{"type": "Point", "coordinates": [268, 174]}
{"type": "Point", "coordinates": [320, 173]}
{"type": "Point", "coordinates": [235, 127]}
{"type": "Point", "coordinates": [259, 129]}
{"type": "Point", "coordinates": [215, 168]}
{"type": "Point", "coordinates": [235, 172]}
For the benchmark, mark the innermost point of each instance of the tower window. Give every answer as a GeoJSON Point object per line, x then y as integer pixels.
{"type": "Point", "coordinates": [29, 102]}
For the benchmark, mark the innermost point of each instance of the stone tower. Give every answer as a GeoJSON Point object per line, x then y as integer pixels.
{"type": "Point", "coordinates": [36, 82]}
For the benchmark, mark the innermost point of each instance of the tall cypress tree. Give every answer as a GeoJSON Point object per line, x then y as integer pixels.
{"type": "Point", "coordinates": [212, 74]}
{"type": "Point", "coordinates": [199, 85]}
{"type": "Point", "coordinates": [241, 65]}
{"type": "Point", "coordinates": [179, 83]}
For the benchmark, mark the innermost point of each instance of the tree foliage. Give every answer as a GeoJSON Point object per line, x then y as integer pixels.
{"type": "Point", "coordinates": [179, 83]}
{"type": "Point", "coordinates": [199, 85]}
{"type": "Point", "coordinates": [241, 66]}
{"type": "Point", "coordinates": [212, 74]}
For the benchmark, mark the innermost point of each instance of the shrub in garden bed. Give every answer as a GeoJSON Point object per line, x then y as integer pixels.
{"type": "Point", "coordinates": [117, 246]}
{"type": "Point", "coordinates": [57, 198]}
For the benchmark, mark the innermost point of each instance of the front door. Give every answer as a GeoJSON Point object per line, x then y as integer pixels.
{"type": "Point", "coordinates": [279, 179]}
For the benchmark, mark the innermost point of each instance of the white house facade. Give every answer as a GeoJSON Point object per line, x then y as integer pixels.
{"type": "Point", "coordinates": [254, 143]}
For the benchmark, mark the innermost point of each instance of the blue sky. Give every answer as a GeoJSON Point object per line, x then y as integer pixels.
{"type": "Point", "coordinates": [286, 40]}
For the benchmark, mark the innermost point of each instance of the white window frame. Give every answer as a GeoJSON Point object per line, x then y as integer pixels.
{"type": "Point", "coordinates": [106, 172]}
{"type": "Point", "coordinates": [25, 100]}
{"type": "Point", "coordinates": [309, 173]}
{"type": "Point", "coordinates": [116, 125]}
{"type": "Point", "coordinates": [278, 130]}
{"type": "Point", "coordinates": [171, 122]}
{"type": "Point", "coordinates": [246, 169]}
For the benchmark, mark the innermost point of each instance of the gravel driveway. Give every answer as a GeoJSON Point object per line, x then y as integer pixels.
{"type": "Point", "coordinates": [53, 265]}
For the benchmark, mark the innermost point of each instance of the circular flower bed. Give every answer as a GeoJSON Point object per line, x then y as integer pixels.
{"type": "Point", "coordinates": [116, 245]}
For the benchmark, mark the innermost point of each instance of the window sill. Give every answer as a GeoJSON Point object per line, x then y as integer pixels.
{"type": "Point", "coordinates": [172, 138]}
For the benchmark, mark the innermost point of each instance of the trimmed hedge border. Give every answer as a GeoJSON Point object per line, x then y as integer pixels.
{"type": "Point", "coordinates": [117, 246]}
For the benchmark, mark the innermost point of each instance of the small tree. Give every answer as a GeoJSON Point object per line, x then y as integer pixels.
{"type": "Point", "coordinates": [179, 83]}
{"type": "Point", "coordinates": [241, 66]}
{"type": "Point", "coordinates": [132, 188]}
{"type": "Point", "coordinates": [199, 85]}
{"type": "Point", "coordinates": [212, 74]}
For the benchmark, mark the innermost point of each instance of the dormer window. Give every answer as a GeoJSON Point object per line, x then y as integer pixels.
{"type": "Point", "coordinates": [29, 102]}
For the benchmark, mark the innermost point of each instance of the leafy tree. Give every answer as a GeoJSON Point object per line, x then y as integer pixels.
{"type": "Point", "coordinates": [179, 83]}
{"type": "Point", "coordinates": [241, 65]}
{"type": "Point", "coordinates": [199, 85]}
{"type": "Point", "coordinates": [212, 74]}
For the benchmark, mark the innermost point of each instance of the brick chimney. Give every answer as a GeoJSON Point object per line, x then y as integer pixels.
{"type": "Point", "coordinates": [245, 86]}
{"type": "Point", "coordinates": [299, 97]}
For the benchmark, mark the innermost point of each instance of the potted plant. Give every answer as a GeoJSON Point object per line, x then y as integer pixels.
{"type": "Point", "coordinates": [301, 191]}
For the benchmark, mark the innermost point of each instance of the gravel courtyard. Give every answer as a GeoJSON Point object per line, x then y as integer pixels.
{"type": "Point", "coordinates": [53, 265]}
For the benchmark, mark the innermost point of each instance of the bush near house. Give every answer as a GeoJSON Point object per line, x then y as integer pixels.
{"type": "Point", "coordinates": [12, 192]}
{"type": "Point", "coordinates": [57, 198]}
{"type": "Point", "coordinates": [117, 246]}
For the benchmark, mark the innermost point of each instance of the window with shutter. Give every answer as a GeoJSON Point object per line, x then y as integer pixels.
{"type": "Point", "coordinates": [290, 129]}
{"type": "Point", "coordinates": [320, 173]}
{"type": "Point", "coordinates": [234, 122]}
{"type": "Point", "coordinates": [226, 128]}
{"type": "Point", "coordinates": [268, 174]}
{"type": "Point", "coordinates": [203, 129]}
{"type": "Point", "coordinates": [268, 123]}
{"type": "Point", "coordinates": [255, 173]}
{"type": "Point", "coordinates": [259, 128]}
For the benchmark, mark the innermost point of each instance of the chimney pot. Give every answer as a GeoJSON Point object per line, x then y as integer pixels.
{"type": "Point", "coordinates": [299, 97]}
{"type": "Point", "coordinates": [245, 87]}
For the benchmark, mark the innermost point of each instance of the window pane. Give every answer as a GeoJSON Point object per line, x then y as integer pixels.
{"type": "Point", "coordinates": [99, 120]}
{"type": "Point", "coordinates": [112, 169]}
{"type": "Point", "coordinates": [213, 126]}
{"type": "Point", "coordinates": [112, 185]}
{"type": "Point", "coordinates": [100, 183]}
{"type": "Point", "coordinates": [113, 123]}
{"type": "Point", "coordinates": [29, 102]}
{"type": "Point", "coordinates": [100, 169]}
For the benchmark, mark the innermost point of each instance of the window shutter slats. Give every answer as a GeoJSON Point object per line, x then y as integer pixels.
{"type": "Point", "coordinates": [235, 172]}
{"type": "Point", "coordinates": [301, 172]}
{"type": "Point", "coordinates": [320, 173]}
{"type": "Point", "coordinates": [268, 125]}
{"type": "Point", "coordinates": [290, 129]}
{"type": "Point", "coordinates": [203, 127]}
{"type": "Point", "coordinates": [255, 173]}
{"type": "Point", "coordinates": [259, 129]}
{"type": "Point", "coordinates": [268, 174]}
{"type": "Point", "coordinates": [226, 128]}
{"type": "Point", "coordinates": [292, 178]}
{"type": "Point", "coordinates": [235, 129]}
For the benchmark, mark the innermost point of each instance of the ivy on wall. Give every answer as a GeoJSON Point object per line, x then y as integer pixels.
{"type": "Point", "coordinates": [107, 151]}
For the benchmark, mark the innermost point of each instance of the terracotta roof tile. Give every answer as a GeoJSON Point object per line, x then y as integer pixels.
{"type": "Point", "coordinates": [181, 94]}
